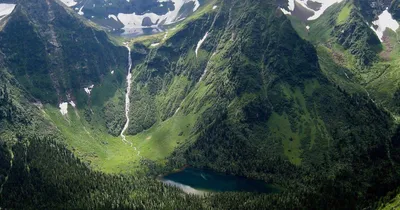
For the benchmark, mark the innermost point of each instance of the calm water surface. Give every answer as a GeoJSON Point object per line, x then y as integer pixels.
{"type": "Point", "coordinates": [193, 180]}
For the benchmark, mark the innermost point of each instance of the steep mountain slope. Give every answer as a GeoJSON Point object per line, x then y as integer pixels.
{"type": "Point", "coordinates": [361, 38]}
{"type": "Point", "coordinates": [358, 44]}
{"type": "Point", "coordinates": [263, 106]}
{"type": "Point", "coordinates": [37, 171]}
{"type": "Point", "coordinates": [48, 49]}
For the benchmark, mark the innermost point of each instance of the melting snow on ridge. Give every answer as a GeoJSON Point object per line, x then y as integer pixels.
{"type": "Point", "coordinates": [155, 44]}
{"type": "Point", "coordinates": [200, 43]}
{"type": "Point", "coordinates": [132, 21]}
{"type": "Point", "coordinates": [69, 3]}
{"type": "Point", "coordinates": [385, 20]}
{"type": "Point", "coordinates": [64, 108]}
{"type": "Point", "coordinates": [6, 9]}
{"type": "Point", "coordinates": [215, 7]}
{"type": "Point", "coordinates": [317, 13]}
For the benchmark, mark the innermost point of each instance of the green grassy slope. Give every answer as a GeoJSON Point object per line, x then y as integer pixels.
{"type": "Point", "coordinates": [38, 171]}
{"type": "Point", "coordinates": [269, 106]}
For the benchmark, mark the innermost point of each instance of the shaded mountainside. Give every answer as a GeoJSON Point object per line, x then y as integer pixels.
{"type": "Point", "coordinates": [53, 54]}
{"type": "Point", "coordinates": [43, 174]}
{"type": "Point", "coordinates": [353, 56]}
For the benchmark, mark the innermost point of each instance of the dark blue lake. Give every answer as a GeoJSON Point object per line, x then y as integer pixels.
{"type": "Point", "coordinates": [191, 179]}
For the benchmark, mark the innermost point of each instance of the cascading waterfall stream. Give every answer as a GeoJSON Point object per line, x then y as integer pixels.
{"type": "Point", "coordinates": [127, 100]}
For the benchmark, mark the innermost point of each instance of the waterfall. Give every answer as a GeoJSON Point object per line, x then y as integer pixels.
{"type": "Point", "coordinates": [128, 92]}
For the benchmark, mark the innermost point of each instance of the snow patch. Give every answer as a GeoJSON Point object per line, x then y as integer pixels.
{"type": "Point", "coordinates": [285, 11]}
{"type": "Point", "coordinates": [385, 20]}
{"type": "Point", "coordinates": [325, 4]}
{"type": "Point", "coordinates": [80, 11]}
{"type": "Point", "coordinates": [196, 5]}
{"type": "Point", "coordinates": [113, 17]}
{"type": "Point", "coordinates": [112, 72]}
{"type": "Point", "coordinates": [88, 90]}
{"type": "Point", "coordinates": [215, 7]}
{"type": "Point", "coordinates": [308, 28]}
{"type": "Point", "coordinates": [64, 108]}
{"type": "Point", "coordinates": [6, 9]}
{"type": "Point", "coordinates": [72, 104]}
{"type": "Point", "coordinates": [291, 5]}
{"type": "Point", "coordinates": [200, 43]}
{"type": "Point", "coordinates": [155, 44]}
{"type": "Point", "coordinates": [69, 3]}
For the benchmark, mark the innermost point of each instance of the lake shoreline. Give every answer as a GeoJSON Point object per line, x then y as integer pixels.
{"type": "Point", "coordinates": [200, 182]}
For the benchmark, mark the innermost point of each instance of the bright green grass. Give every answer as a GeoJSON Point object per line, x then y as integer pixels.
{"type": "Point", "coordinates": [108, 153]}
{"type": "Point", "coordinates": [280, 126]}
{"type": "Point", "coordinates": [299, 26]}
{"type": "Point", "coordinates": [160, 140]}
{"type": "Point", "coordinates": [103, 152]}
{"type": "Point", "coordinates": [392, 205]}
{"type": "Point", "coordinates": [344, 14]}
{"type": "Point", "coordinates": [299, 133]}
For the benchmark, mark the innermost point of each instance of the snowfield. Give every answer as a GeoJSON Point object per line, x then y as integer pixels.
{"type": "Point", "coordinates": [64, 108]}
{"type": "Point", "coordinates": [132, 21]}
{"type": "Point", "coordinates": [325, 4]}
{"type": "Point", "coordinates": [69, 3]}
{"type": "Point", "coordinates": [200, 43]}
{"type": "Point", "coordinates": [6, 9]}
{"type": "Point", "coordinates": [385, 21]}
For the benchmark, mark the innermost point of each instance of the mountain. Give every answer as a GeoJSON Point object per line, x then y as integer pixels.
{"type": "Point", "coordinates": [132, 18]}
{"type": "Point", "coordinates": [61, 52]}
{"type": "Point", "coordinates": [252, 88]}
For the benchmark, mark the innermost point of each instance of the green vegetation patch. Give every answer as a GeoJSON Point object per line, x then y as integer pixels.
{"type": "Point", "coordinates": [344, 13]}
